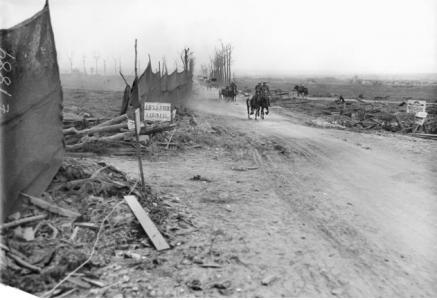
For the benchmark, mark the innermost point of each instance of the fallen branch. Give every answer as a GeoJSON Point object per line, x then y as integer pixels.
{"type": "Point", "coordinates": [114, 137]}
{"type": "Point", "coordinates": [121, 135]}
{"type": "Point", "coordinates": [94, 129]}
{"type": "Point", "coordinates": [113, 121]}
{"type": "Point", "coordinates": [51, 207]}
{"type": "Point", "coordinates": [22, 221]}
{"type": "Point", "coordinates": [23, 263]}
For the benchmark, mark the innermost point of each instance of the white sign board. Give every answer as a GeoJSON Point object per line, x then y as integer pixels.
{"type": "Point", "coordinates": [415, 106]}
{"type": "Point", "coordinates": [420, 117]}
{"type": "Point", "coordinates": [131, 124]}
{"type": "Point", "coordinates": [155, 111]}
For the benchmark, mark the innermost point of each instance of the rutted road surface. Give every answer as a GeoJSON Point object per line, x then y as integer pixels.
{"type": "Point", "coordinates": [326, 213]}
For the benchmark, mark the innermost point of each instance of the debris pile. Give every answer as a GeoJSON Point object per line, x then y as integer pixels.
{"type": "Point", "coordinates": [377, 116]}
{"type": "Point", "coordinates": [115, 136]}
{"type": "Point", "coordinates": [81, 219]}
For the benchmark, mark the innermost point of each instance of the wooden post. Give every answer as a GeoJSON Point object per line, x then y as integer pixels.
{"type": "Point", "coordinates": [138, 122]}
{"type": "Point", "coordinates": [136, 58]}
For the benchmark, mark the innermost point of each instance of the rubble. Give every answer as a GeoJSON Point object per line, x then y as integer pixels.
{"type": "Point", "coordinates": [47, 261]}
{"type": "Point", "coordinates": [113, 136]}
{"type": "Point", "coordinates": [365, 116]}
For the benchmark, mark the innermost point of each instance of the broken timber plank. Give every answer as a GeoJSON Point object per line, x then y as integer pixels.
{"type": "Point", "coordinates": [147, 224]}
{"type": "Point", "coordinates": [51, 207]}
{"type": "Point", "coordinates": [22, 221]}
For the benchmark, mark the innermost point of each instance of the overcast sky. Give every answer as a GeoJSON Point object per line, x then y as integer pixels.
{"type": "Point", "coordinates": [275, 36]}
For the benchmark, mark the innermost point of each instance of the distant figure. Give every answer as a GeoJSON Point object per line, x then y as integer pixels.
{"type": "Point", "coordinates": [300, 90]}
{"type": "Point", "coordinates": [341, 99]}
{"type": "Point", "coordinates": [229, 93]}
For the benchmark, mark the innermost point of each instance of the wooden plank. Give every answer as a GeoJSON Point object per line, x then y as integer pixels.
{"type": "Point", "coordinates": [51, 207]}
{"type": "Point", "coordinates": [147, 224]}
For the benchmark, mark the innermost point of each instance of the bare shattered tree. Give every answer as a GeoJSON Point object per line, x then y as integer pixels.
{"type": "Point", "coordinates": [187, 58]}
{"type": "Point", "coordinates": [220, 64]}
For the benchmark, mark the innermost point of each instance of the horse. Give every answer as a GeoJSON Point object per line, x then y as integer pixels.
{"type": "Point", "coordinates": [256, 105]}
{"type": "Point", "coordinates": [300, 90]}
{"type": "Point", "coordinates": [229, 93]}
{"type": "Point", "coordinates": [211, 83]}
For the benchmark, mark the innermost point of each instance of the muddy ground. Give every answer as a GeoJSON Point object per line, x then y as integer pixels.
{"type": "Point", "coordinates": [275, 208]}
{"type": "Point", "coordinates": [289, 210]}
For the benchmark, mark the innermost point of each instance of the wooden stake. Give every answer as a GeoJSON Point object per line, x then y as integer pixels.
{"type": "Point", "coordinates": [140, 163]}
{"type": "Point", "coordinates": [136, 58]}
{"type": "Point", "coordinates": [138, 123]}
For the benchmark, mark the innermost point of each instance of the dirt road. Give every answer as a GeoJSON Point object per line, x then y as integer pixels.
{"type": "Point", "coordinates": [298, 211]}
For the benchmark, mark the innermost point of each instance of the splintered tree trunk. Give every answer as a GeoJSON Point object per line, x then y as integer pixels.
{"type": "Point", "coordinates": [229, 64]}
